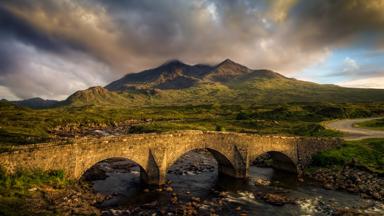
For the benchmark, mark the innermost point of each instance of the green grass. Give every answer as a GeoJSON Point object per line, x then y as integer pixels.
{"type": "Point", "coordinates": [368, 153]}
{"type": "Point", "coordinates": [22, 180]}
{"type": "Point", "coordinates": [14, 189]}
{"type": "Point", "coordinates": [377, 124]}
{"type": "Point", "coordinates": [20, 126]}
{"type": "Point", "coordinates": [244, 90]}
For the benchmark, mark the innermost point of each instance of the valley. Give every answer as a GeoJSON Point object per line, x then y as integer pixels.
{"type": "Point", "coordinates": [224, 98]}
{"type": "Point", "coordinates": [192, 108]}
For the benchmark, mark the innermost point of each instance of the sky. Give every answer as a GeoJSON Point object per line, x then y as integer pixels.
{"type": "Point", "coordinates": [51, 48]}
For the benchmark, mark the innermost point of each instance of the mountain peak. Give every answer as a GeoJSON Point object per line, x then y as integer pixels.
{"type": "Point", "coordinates": [228, 61]}
{"type": "Point", "coordinates": [175, 74]}
{"type": "Point", "coordinates": [227, 70]}
{"type": "Point", "coordinates": [173, 62]}
{"type": "Point", "coordinates": [90, 92]}
{"type": "Point", "coordinates": [97, 89]}
{"type": "Point", "coordinates": [228, 64]}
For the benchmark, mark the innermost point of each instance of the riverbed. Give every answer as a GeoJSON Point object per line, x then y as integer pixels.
{"type": "Point", "coordinates": [195, 188]}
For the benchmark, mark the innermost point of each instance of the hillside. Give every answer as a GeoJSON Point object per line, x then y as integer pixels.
{"type": "Point", "coordinates": [171, 75]}
{"type": "Point", "coordinates": [36, 103]}
{"type": "Point", "coordinates": [176, 83]}
{"type": "Point", "coordinates": [95, 95]}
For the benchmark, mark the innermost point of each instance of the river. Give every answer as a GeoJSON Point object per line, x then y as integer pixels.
{"type": "Point", "coordinates": [196, 188]}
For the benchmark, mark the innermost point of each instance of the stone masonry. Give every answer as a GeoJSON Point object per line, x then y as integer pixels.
{"type": "Point", "coordinates": [156, 152]}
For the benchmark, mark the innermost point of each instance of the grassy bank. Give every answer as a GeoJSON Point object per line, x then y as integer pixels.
{"type": "Point", "coordinates": [368, 153]}
{"type": "Point", "coordinates": [377, 124]}
{"type": "Point", "coordinates": [16, 188]}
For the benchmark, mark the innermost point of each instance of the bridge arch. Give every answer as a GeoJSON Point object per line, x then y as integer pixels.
{"type": "Point", "coordinates": [280, 161]}
{"type": "Point", "coordinates": [86, 165]}
{"type": "Point", "coordinates": [143, 172]}
{"type": "Point", "coordinates": [225, 165]}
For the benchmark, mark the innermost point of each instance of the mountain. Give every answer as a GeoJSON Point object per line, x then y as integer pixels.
{"type": "Point", "coordinates": [171, 75]}
{"type": "Point", "coordinates": [177, 83]}
{"type": "Point", "coordinates": [178, 75]}
{"type": "Point", "coordinates": [95, 95]}
{"type": "Point", "coordinates": [36, 103]}
{"type": "Point", "coordinates": [6, 103]}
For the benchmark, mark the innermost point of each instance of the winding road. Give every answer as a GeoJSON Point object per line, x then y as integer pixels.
{"type": "Point", "coordinates": [354, 133]}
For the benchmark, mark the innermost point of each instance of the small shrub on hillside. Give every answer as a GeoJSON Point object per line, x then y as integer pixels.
{"type": "Point", "coordinates": [219, 128]}
{"type": "Point", "coordinates": [242, 116]}
{"type": "Point", "coordinates": [140, 129]}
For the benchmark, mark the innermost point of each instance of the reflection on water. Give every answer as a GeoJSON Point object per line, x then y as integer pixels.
{"type": "Point", "coordinates": [206, 184]}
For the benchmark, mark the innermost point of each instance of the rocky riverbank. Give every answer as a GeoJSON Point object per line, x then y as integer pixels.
{"type": "Point", "coordinates": [177, 206]}
{"type": "Point", "coordinates": [96, 129]}
{"type": "Point", "coordinates": [352, 179]}
{"type": "Point", "coordinates": [175, 198]}
{"type": "Point", "coordinates": [200, 161]}
{"type": "Point", "coordinates": [172, 201]}
{"type": "Point", "coordinates": [76, 199]}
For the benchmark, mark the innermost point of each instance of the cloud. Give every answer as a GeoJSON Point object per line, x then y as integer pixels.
{"type": "Point", "coordinates": [5, 91]}
{"type": "Point", "coordinates": [350, 65]}
{"type": "Point", "coordinates": [371, 82]}
{"type": "Point", "coordinates": [280, 9]}
{"type": "Point", "coordinates": [340, 22]}
{"type": "Point", "coordinates": [88, 42]}
{"type": "Point", "coordinates": [45, 75]}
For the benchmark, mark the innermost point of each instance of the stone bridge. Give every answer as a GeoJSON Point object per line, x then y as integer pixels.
{"type": "Point", "coordinates": [156, 152]}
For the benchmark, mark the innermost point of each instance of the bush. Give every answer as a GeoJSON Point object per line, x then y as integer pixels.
{"type": "Point", "coordinates": [140, 129]}
{"type": "Point", "coordinates": [219, 128]}
{"type": "Point", "coordinates": [326, 159]}
{"type": "Point", "coordinates": [242, 116]}
{"type": "Point", "coordinates": [313, 129]}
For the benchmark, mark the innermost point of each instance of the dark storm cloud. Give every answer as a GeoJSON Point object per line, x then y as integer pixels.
{"type": "Point", "coordinates": [20, 28]}
{"type": "Point", "coordinates": [92, 42]}
{"type": "Point", "coordinates": [7, 60]}
{"type": "Point", "coordinates": [13, 26]}
{"type": "Point", "coordinates": [339, 22]}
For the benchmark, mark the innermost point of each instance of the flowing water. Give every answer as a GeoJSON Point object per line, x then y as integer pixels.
{"type": "Point", "coordinates": [196, 175]}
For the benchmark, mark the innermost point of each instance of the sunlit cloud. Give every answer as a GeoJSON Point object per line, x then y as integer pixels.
{"type": "Point", "coordinates": [372, 82]}
{"type": "Point", "coordinates": [350, 65]}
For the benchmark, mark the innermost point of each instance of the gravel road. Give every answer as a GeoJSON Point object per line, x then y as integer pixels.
{"type": "Point", "coordinates": [354, 133]}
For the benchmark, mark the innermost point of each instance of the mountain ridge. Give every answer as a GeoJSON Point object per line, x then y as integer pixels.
{"type": "Point", "coordinates": [36, 103]}
{"type": "Point", "coordinates": [177, 72]}
{"type": "Point", "coordinates": [178, 83]}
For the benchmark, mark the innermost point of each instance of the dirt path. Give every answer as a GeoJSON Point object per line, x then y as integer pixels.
{"type": "Point", "coordinates": [354, 133]}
